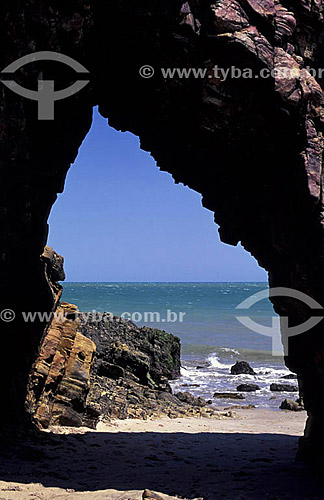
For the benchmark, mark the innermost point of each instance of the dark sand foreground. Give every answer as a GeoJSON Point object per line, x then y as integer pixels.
{"type": "Point", "coordinates": [249, 457]}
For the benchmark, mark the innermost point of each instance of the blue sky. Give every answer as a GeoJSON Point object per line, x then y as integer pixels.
{"type": "Point", "coordinates": [121, 219]}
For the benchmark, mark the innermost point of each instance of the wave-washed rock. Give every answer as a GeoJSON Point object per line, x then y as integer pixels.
{"type": "Point", "coordinates": [248, 388]}
{"type": "Point", "coordinates": [283, 388]}
{"type": "Point", "coordinates": [242, 367]}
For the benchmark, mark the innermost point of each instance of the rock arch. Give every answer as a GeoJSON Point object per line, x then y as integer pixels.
{"type": "Point", "coordinates": [252, 147]}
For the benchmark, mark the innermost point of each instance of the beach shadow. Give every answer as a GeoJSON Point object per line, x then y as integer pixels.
{"type": "Point", "coordinates": [214, 466]}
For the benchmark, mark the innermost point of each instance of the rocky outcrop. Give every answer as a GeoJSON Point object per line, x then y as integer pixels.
{"type": "Point", "coordinates": [248, 388]}
{"type": "Point", "coordinates": [97, 366]}
{"type": "Point", "coordinates": [242, 368]}
{"type": "Point", "coordinates": [283, 388]}
{"type": "Point", "coordinates": [149, 356]}
{"type": "Point", "coordinates": [60, 379]}
{"type": "Point", "coordinates": [251, 146]}
{"type": "Point", "coordinates": [131, 371]}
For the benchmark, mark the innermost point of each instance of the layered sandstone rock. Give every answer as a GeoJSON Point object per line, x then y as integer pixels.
{"type": "Point", "coordinates": [60, 379]}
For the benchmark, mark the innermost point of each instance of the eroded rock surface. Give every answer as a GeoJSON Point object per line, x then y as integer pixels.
{"type": "Point", "coordinates": [60, 380]}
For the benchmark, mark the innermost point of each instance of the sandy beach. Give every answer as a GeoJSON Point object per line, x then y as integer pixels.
{"type": "Point", "coordinates": [251, 456]}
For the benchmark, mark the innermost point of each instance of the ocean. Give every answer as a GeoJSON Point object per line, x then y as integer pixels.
{"type": "Point", "coordinates": [203, 315]}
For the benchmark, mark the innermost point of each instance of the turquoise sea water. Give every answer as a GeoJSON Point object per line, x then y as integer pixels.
{"type": "Point", "coordinates": [210, 334]}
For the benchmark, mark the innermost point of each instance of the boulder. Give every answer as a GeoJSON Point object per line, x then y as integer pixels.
{"type": "Point", "coordinates": [248, 388]}
{"type": "Point", "coordinates": [283, 388]}
{"type": "Point", "coordinates": [289, 404]}
{"type": "Point", "coordinates": [242, 367]}
{"type": "Point", "coordinates": [189, 398]}
{"type": "Point", "coordinates": [228, 395]}
{"type": "Point", "coordinates": [290, 376]}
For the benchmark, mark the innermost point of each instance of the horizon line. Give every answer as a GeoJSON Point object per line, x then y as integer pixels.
{"type": "Point", "coordinates": [227, 281]}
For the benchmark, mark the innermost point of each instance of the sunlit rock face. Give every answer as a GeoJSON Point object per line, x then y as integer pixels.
{"type": "Point", "coordinates": [60, 379]}
{"type": "Point", "coordinates": [251, 146]}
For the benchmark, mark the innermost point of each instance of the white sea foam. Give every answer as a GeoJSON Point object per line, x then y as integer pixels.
{"type": "Point", "coordinates": [184, 372]}
{"type": "Point", "coordinates": [215, 363]}
{"type": "Point", "coordinates": [229, 349]}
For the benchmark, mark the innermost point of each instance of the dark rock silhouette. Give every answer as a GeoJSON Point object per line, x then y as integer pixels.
{"type": "Point", "coordinates": [247, 388]}
{"type": "Point", "coordinates": [290, 376]}
{"type": "Point", "coordinates": [242, 367]}
{"type": "Point", "coordinates": [283, 388]}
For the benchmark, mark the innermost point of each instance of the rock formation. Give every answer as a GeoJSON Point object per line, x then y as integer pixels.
{"type": "Point", "coordinates": [289, 404]}
{"type": "Point", "coordinates": [252, 147]}
{"type": "Point", "coordinates": [242, 367]}
{"type": "Point", "coordinates": [132, 367]}
{"type": "Point", "coordinates": [283, 388]}
{"type": "Point", "coordinates": [60, 380]}
{"type": "Point", "coordinates": [94, 366]}
{"type": "Point", "coordinates": [248, 388]}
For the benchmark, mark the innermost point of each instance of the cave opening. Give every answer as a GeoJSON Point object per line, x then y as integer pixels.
{"type": "Point", "coordinates": [136, 243]}
{"type": "Point", "coordinates": [122, 219]}
{"type": "Point", "coordinates": [253, 150]}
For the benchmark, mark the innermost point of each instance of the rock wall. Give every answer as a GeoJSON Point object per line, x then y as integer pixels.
{"type": "Point", "coordinates": [252, 147]}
